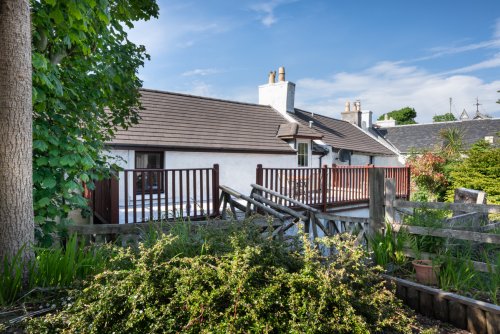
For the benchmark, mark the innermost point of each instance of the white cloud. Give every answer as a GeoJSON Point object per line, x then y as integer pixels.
{"type": "Point", "coordinates": [496, 34]}
{"type": "Point", "coordinates": [438, 52]}
{"type": "Point", "coordinates": [266, 11]}
{"type": "Point", "coordinates": [489, 63]}
{"type": "Point", "coordinates": [389, 86]}
{"type": "Point", "coordinates": [200, 72]}
{"type": "Point", "coordinates": [173, 30]}
{"type": "Point", "coordinates": [199, 88]}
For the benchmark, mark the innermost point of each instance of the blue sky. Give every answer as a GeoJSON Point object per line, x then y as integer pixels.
{"type": "Point", "coordinates": [388, 54]}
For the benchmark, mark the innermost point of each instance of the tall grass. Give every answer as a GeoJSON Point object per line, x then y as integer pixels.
{"type": "Point", "coordinates": [60, 266]}
{"type": "Point", "coordinates": [11, 278]}
{"type": "Point", "coordinates": [52, 267]}
{"type": "Point", "coordinates": [387, 247]}
{"type": "Point", "coordinates": [458, 273]}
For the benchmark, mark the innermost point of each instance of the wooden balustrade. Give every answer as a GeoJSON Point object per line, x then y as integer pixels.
{"type": "Point", "coordinates": [162, 194]}
{"type": "Point", "coordinates": [328, 186]}
{"type": "Point", "coordinates": [140, 195]}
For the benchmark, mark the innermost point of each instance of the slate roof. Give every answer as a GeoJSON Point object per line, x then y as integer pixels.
{"type": "Point", "coordinates": [427, 136]}
{"type": "Point", "coordinates": [342, 134]}
{"type": "Point", "coordinates": [180, 121]}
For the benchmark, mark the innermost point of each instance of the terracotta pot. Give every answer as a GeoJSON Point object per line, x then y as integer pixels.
{"type": "Point", "coordinates": [426, 272]}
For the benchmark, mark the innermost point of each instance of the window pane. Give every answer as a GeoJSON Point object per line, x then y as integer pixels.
{"type": "Point", "coordinates": [150, 160]}
{"type": "Point", "coordinates": [152, 180]}
{"type": "Point", "coordinates": [303, 154]}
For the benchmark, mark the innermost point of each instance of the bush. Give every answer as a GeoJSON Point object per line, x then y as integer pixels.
{"type": "Point", "coordinates": [256, 286]}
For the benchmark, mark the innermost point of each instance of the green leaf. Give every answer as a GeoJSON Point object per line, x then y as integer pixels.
{"type": "Point", "coordinates": [43, 202]}
{"type": "Point", "coordinates": [57, 15]}
{"type": "Point", "coordinates": [40, 145]}
{"type": "Point", "coordinates": [49, 182]}
{"type": "Point", "coordinates": [41, 161]}
{"type": "Point", "coordinates": [39, 61]}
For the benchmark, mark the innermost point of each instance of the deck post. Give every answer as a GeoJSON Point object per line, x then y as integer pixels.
{"type": "Point", "coordinates": [376, 191]}
{"type": "Point", "coordinates": [215, 191]}
{"type": "Point", "coordinates": [324, 183]}
{"type": "Point", "coordinates": [259, 175]}
{"type": "Point", "coordinates": [114, 194]}
{"type": "Point", "coordinates": [408, 183]}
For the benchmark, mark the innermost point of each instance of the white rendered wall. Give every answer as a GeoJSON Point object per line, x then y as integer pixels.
{"type": "Point", "coordinates": [236, 170]}
{"type": "Point", "coordinates": [360, 159]}
{"type": "Point", "coordinates": [387, 161]}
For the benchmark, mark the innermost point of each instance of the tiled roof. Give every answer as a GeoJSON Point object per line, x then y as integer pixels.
{"type": "Point", "coordinates": [342, 134]}
{"type": "Point", "coordinates": [427, 136]}
{"type": "Point", "coordinates": [173, 120]}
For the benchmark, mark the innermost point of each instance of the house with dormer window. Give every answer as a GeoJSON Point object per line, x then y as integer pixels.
{"type": "Point", "coordinates": [186, 131]}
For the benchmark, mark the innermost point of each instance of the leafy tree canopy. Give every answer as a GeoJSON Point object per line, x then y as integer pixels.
{"type": "Point", "coordinates": [448, 117]}
{"type": "Point", "coordinates": [402, 116]}
{"type": "Point", "coordinates": [85, 87]}
{"type": "Point", "coordinates": [480, 170]}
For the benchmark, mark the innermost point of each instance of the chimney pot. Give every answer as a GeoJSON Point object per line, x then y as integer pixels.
{"type": "Point", "coordinates": [272, 77]}
{"type": "Point", "coordinates": [347, 107]}
{"type": "Point", "coordinates": [281, 73]}
{"type": "Point", "coordinates": [357, 105]}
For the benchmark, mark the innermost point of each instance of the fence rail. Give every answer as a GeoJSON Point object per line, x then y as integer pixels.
{"type": "Point", "coordinates": [329, 186]}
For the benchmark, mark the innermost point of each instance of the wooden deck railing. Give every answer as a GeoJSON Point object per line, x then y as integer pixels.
{"type": "Point", "coordinates": [329, 186]}
{"type": "Point", "coordinates": [154, 194]}
{"type": "Point", "coordinates": [140, 195]}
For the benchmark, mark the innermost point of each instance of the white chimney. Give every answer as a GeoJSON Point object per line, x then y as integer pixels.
{"type": "Point", "coordinates": [366, 119]}
{"type": "Point", "coordinates": [279, 95]}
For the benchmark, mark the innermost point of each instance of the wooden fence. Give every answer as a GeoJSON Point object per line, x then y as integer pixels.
{"type": "Point", "coordinates": [465, 313]}
{"type": "Point", "coordinates": [329, 186]}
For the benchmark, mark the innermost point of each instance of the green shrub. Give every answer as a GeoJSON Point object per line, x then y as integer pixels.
{"type": "Point", "coordinates": [256, 286]}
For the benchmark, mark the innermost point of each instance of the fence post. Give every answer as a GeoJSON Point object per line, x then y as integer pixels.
{"type": "Point", "coordinates": [215, 190]}
{"type": "Point", "coordinates": [324, 183]}
{"type": "Point", "coordinates": [376, 191]}
{"type": "Point", "coordinates": [259, 175]}
{"type": "Point", "coordinates": [390, 196]}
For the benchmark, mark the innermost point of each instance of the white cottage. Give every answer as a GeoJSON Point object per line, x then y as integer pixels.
{"type": "Point", "coordinates": [179, 131]}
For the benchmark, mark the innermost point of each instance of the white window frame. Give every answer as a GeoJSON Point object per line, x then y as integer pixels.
{"type": "Point", "coordinates": [308, 158]}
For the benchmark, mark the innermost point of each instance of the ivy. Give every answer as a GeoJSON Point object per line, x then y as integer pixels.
{"type": "Point", "coordinates": [85, 87]}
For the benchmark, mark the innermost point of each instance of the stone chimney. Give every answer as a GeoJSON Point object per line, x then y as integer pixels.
{"type": "Point", "coordinates": [354, 116]}
{"type": "Point", "coordinates": [279, 95]}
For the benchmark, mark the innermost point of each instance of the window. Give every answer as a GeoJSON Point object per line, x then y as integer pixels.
{"type": "Point", "coordinates": [303, 154]}
{"type": "Point", "coordinates": [153, 180]}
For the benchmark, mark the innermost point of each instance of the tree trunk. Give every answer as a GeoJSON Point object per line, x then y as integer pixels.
{"type": "Point", "coordinates": [16, 187]}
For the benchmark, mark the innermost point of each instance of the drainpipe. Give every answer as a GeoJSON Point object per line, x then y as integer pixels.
{"type": "Point", "coordinates": [321, 157]}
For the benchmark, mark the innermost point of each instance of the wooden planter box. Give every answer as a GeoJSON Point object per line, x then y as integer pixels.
{"type": "Point", "coordinates": [465, 313]}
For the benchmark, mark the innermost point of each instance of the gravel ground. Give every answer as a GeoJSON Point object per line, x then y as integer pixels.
{"type": "Point", "coordinates": [432, 326]}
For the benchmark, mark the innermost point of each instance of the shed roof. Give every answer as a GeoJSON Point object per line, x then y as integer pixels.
{"type": "Point", "coordinates": [342, 134]}
{"type": "Point", "coordinates": [173, 120]}
{"type": "Point", "coordinates": [428, 136]}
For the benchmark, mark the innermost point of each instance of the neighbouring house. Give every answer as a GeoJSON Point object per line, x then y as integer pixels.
{"type": "Point", "coordinates": [420, 137]}
{"type": "Point", "coordinates": [180, 131]}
